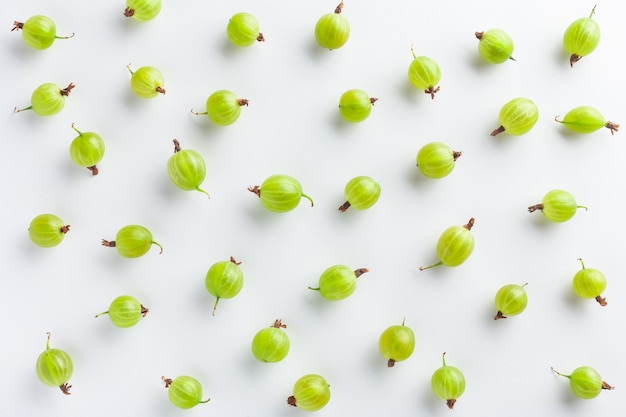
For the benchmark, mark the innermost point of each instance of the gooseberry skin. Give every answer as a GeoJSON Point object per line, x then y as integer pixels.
{"type": "Point", "coordinates": [311, 392]}
{"type": "Point", "coordinates": [436, 160]}
{"type": "Point", "coordinates": [142, 10]}
{"type": "Point", "coordinates": [510, 300]}
{"type": "Point", "coordinates": [448, 383]}
{"type": "Point", "coordinates": [495, 46]}
{"type": "Point", "coordinates": [224, 279]}
{"type": "Point", "coordinates": [454, 246]}
{"type": "Point", "coordinates": [425, 74]}
{"type": "Point", "coordinates": [87, 149]}
{"type": "Point", "coordinates": [271, 344]}
{"type": "Point", "coordinates": [39, 32]}
{"type": "Point", "coordinates": [243, 30]}
{"type": "Point", "coordinates": [125, 311]}
{"type": "Point", "coordinates": [146, 81]}
{"type": "Point", "coordinates": [55, 367]}
{"type": "Point", "coordinates": [517, 117]}
{"type": "Point", "coordinates": [47, 230]}
{"type": "Point", "coordinates": [585, 382]}
{"type": "Point", "coordinates": [184, 391]}
{"type": "Point", "coordinates": [186, 169]}
{"type": "Point", "coordinates": [338, 282]}
{"type": "Point", "coordinates": [223, 107]}
{"type": "Point", "coordinates": [581, 37]}
{"type": "Point", "coordinates": [586, 119]}
{"type": "Point", "coordinates": [557, 206]}
{"type": "Point", "coordinates": [332, 30]}
{"type": "Point", "coordinates": [355, 105]}
{"type": "Point", "coordinates": [590, 283]}
{"type": "Point", "coordinates": [48, 99]}
{"type": "Point", "coordinates": [280, 193]}
{"type": "Point", "coordinates": [361, 192]}
{"type": "Point", "coordinates": [396, 343]}
{"type": "Point", "coordinates": [132, 241]}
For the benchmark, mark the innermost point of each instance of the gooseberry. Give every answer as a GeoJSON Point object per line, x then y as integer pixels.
{"type": "Point", "coordinates": [590, 283]}
{"type": "Point", "coordinates": [223, 107]}
{"type": "Point", "coordinates": [338, 282]}
{"type": "Point", "coordinates": [87, 149]}
{"type": "Point", "coordinates": [586, 119]}
{"type": "Point", "coordinates": [186, 168]}
{"type": "Point", "coordinates": [47, 99]}
{"type": "Point", "coordinates": [38, 32]}
{"type": "Point", "coordinates": [125, 311]}
{"type": "Point", "coordinates": [581, 37]}
{"type": "Point", "coordinates": [425, 74]}
{"type": "Point", "coordinates": [311, 392]}
{"type": "Point", "coordinates": [436, 159]}
{"type": "Point", "coordinates": [454, 246]}
{"type": "Point", "coordinates": [510, 300]}
{"type": "Point", "coordinates": [585, 382]}
{"type": "Point", "coordinates": [495, 46]}
{"type": "Point", "coordinates": [517, 117]}
{"type": "Point", "coordinates": [332, 30]}
{"type": "Point", "coordinates": [47, 230]}
{"type": "Point", "coordinates": [355, 105]}
{"type": "Point", "coordinates": [271, 344]}
{"type": "Point", "coordinates": [146, 82]}
{"type": "Point", "coordinates": [396, 343]}
{"type": "Point", "coordinates": [243, 29]}
{"type": "Point", "coordinates": [184, 391]}
{"type": "Point", "coordinates": [448, 383]}
{"type": "Point", "coordinates": [142, 10]}
{"type": "Point", "coordinates": [132, 241]}
{"type": "Point", "coordinates": [557, 205]}
{"type": "Point", "coordinates": [280, 193]}
{"type": "Point", "coordinates": [361, 192]}
{"type": "Point", "coordinates": [55, 367]}
{"type": "Point", "coordinates": [224, 279]}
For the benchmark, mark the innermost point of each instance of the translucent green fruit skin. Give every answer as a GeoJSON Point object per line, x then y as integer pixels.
{"type": "Point", "coordinates": [495, 46]}
{"type": "Point", "coordinates": [223, 107]}
{"type": "Point", "coordinates": [518, 116]}
{"type": "Point", "coordinates": [47, 99]}
{"type": "Point", "coordinates": [281, 193]}
{"type": "Point", "coordinates": [270, 345]}
{"type": "Point", "coordinates": [589, 283]}
{"type": "Point", "coordinates": [54, 367]}
{"type": "Point", "coordinates": [559, 206]}
{"type": "Point", "coordinates": [125, 311]}
{"type": "Point", "coordinates": [397, 343]}
{"type": "Point", "coordinates": [185, 392]}
{"type": "Point", "coordinates": [186, 169]}
{"type": "Point", "coordinates": [224, 279]}
{"type": "Point", "coordinates": [39, 32]}
{"type": "Point", "coordinates": [311, 392]}
{"type": "Point", "coordinates": [146, 81]}
{"type": "Point", "coordinates": [144, 10]}
{"type": "Point", "coordinates": [448, 383]}
{"type": "Point", "coordinates": [243, 29]}
{"type": "Point", "coordinates": [583, 119]}
{"type": "Point", "coordinates": [45, 230]}
{"type": "Point", "coordinates": [355, 105]}
{"type": "Point", "coordinates": [424, 73]}
{"type": "Point", "coordinates": [337, 283]}
{"type": "Point", "coordinates": [87, 149]}
{"type": "Point", "coordinates": [455, 245]}
{"type": "Point", "coordinates": [362, 192]}
{"type": "Point", "coordinates": [435, 160]}
{"type": "Point", "coordinates": [585, 382]}
{"type": "Point", "coordinates": [332, 31]}
{"type": "Point", "coordinates": [133, 241]}
{"type": "Point", "coordinates": [511, 299]}
{"type": "Point", "coordinates": [581, 37]}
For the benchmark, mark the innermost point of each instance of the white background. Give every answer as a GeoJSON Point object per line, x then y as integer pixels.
{"type": "Point", "coordinates": [292, 126]}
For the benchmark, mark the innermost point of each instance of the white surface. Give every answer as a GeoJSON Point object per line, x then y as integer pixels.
{"type": "Point", "coordinates": [292, 126]}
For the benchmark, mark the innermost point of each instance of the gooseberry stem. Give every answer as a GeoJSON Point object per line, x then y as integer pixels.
{"type": "Point", "coordinates": [278, 324]}
{"type": "Point", "coordinates": [144, 310]}
{"type": "Point", "coordinates": [242, 102]}
{"type": "Point", "coordinates": [601, 300]}
{"type": "Point", "coordinates": [66, 91]}
{"type": "Point", "coordinates": [345, 206]}
{"type": "Point", "coordinates": [65, 229]}
{"type": "Point", "coordinates": [339, 8]}
{"type": "Point", "coordinates": [256, 190]}
{"type": "Point", "coordinates": [292, 401]}
{"type": "Point", "coordinates": [198, 113]}
{"type": "Point", "coordinates": [470, 224]}
{"type": "Point", "coordinates": [431, 266]}
{"type": "Point", "coordinates": [308, 198]}
{"type": "Point", "coordinates": [497, 131]}
{"type": "Point", "coordinates": [65, 388]}
{"type": "Point", "coordinates": [535, 207]}
{"type": "Point", "coordinates": [373, 100]}
{"type": "Point", "coordinates": [128, 12]}
{"type": "Point", "coordinates": [360, 271]}
{"type": "Point", "coordinates": [613, 127]}
{"type": "Point", "coordinates": [17, 25]}
{"type": "Point", "coordinates": [108, 243]}
{"type": "Point", "coordinates": [499, 315]}
{"type": "Point", "coordinates": [432, 91]}
{"type": "Point", "coordinates": [217, 299]}
{"type": "Point", "coordinates": [456, 155]}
